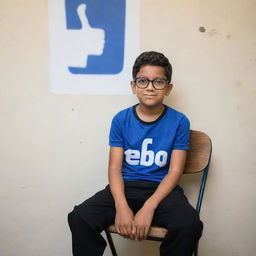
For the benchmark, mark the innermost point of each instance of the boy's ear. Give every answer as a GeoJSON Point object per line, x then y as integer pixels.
{"type": "Point", "coordinates": [133, 87]}
{"type": "Point", "coordinates": [168, 89]}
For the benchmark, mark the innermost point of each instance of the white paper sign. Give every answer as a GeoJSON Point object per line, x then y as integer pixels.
{"type": "Point", "coordinates": [93, 45]}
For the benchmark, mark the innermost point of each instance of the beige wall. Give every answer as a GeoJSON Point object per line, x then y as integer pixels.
{"type": "Point", "coordinates": [54, 147]}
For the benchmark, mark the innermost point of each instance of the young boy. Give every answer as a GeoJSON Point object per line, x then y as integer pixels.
{"type": "Point", "coordinates": [148, 144]}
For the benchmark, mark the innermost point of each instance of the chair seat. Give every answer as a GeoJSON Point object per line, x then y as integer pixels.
{"type": "Point", "coordinates": [154, 232]}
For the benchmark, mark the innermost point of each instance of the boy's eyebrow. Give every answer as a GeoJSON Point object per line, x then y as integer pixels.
{"type": "Point", "coordinates": [149, 79]}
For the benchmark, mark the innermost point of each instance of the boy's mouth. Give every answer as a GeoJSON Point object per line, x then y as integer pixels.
{"type": "Point", "coordinates": [150, 96]}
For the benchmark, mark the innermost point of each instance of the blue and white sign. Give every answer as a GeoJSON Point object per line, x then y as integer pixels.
{"type": "Point", "coordinates": [93, 44]}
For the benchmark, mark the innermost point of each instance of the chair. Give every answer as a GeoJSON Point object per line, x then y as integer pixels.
{"type": "Point", "coordinates": [198, 160]}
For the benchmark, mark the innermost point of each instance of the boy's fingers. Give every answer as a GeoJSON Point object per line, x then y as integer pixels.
{"type": "Point", "coordinates": [138, 233]}
{"type": "Point", "coordinates": [141, 234]}
{"type": "Point", "coordinates": [146, 232]}
{"type": "Point", "coordinates": [129, 228]}
{"type": "Point", "coordinates": [133, 232]}
{"type": "Point", "coordinates": [121, 230]}
{"type": "Point", "coordinates": [118, 229]}
{"type": "Point", "coordinates": [130, 235]}
{"type": "Point", "coordinates": [126, 230]}
{"type": "Point", "coordinates": [125, 233]}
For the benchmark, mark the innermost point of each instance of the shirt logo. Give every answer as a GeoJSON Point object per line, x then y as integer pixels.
{"type": "Point", "coordinates": [146, 157]}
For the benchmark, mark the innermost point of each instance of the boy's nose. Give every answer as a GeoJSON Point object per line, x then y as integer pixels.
{"type": "Point", "coordinates": [150, 86]}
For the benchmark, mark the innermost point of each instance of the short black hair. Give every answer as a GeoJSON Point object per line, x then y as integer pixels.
{"type": "Point", "coordinates": [152, 58]}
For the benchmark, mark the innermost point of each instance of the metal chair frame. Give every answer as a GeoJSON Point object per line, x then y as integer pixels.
{"type": "Point", "coordinates": [198, 205]}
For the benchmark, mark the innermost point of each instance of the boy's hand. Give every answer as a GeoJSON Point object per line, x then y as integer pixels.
{"type": "Point", "coordinates": [123, 221]}
{"type": "Point", "coordinates": [142, 222]}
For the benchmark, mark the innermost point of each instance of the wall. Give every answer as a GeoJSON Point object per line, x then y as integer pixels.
{"type": "Point", "coordinates": [54, 147]}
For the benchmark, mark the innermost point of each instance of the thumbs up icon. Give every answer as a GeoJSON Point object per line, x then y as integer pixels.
{"type": "Point", "coordinates": [93, 43]}
{"type": "Point", "coordinates": [85, 41]}
{"type": "Point", "coordinates": [94, 36]}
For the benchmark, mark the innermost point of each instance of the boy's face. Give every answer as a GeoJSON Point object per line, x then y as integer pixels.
{"type": "Point", "coordinates": [151, 97]}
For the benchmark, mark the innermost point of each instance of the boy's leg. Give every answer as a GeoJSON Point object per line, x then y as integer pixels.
{"type": "Point", "coordinates": [87, 221]}
{"type": "Point", "coordinates": [183, 224]}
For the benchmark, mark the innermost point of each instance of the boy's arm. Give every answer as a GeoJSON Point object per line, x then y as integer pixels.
{"type": "Point", "coordinates": [124, 215]}
{"type": "Point", "coordinates": [143, 218]}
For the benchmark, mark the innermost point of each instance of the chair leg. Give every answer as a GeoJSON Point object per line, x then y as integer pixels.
{"type": "Point", "coordinates": [111, 243]}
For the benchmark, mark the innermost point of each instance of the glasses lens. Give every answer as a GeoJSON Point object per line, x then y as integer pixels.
{"type": "Point", "coordinates": [159, 83]}
{"type": "Point", "coordinates": [142, 82]}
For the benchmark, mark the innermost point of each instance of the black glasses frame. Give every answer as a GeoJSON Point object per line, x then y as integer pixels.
{"type": "Point", "coordinates": [150, 81]}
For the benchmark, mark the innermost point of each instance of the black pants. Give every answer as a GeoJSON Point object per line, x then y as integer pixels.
{"type": "Point", "coordinates": [89, 219]}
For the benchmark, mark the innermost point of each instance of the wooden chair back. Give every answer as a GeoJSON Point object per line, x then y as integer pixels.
{"type": "Point", "coordinates": [199, 153]}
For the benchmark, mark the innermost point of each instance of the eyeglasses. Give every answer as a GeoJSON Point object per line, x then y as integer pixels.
{"type": "Point", "coordinates": [158, 83]}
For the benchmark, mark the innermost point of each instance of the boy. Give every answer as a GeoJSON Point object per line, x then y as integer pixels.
{"type": "Point", "coordinates": [148, 144]}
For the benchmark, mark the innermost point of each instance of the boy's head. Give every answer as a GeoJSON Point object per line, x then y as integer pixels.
{"type": "Point", "coordinates": [152, 58]}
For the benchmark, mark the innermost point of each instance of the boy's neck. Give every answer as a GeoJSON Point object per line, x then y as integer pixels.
{"type": "Point", "coordinates": [149, 114]}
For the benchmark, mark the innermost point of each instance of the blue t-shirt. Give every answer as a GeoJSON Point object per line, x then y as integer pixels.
{"type": "Point", "coordinates": [148, 145]}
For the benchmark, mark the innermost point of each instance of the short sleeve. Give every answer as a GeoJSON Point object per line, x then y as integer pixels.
{"type": "Point", "coordinates": [115, 135]}
{"type": "Point", "coordinates": [181, 140]}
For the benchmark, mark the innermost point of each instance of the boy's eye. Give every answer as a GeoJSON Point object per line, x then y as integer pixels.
{"type": "Point", "coordinates": [142, 81]}
{"type": "Point", "coordinates": [159, 82]}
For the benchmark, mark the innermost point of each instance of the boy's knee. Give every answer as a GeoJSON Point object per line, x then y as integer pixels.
{"type": "Point", "coordinates": [82, 214]}
{"type": "Point", "coordinates": [193, 224]}
{"type": "Point", "coordinates": [75, 215]}
{"type": "Point", "coordinates": [193, 228]}
{"type": "Point", "coordinates": [72, 217]}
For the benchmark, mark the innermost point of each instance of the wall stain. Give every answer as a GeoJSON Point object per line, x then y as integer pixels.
{"type": "Point", "coordinates": [202, 29]}
{"type": "Point", "coordinates": [238, 84]}
{"type": "Point", "coordinates": [212, 32]}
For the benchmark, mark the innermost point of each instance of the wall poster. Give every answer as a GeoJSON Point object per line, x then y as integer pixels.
{"type": "Point", "coordinates": [93, 44]}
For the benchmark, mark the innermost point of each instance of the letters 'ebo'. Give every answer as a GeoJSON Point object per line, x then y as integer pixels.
{"type": "Point", "coordinates": [146, 157]}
